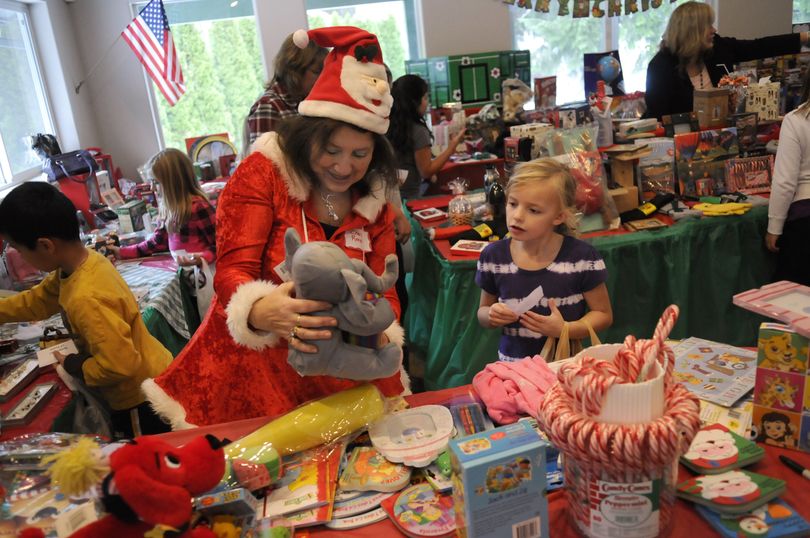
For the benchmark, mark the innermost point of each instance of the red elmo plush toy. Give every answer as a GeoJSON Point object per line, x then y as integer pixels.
{"type": "Point", "coordinates": [150, 488]}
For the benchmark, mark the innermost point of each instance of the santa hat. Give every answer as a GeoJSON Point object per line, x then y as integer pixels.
{"type": "Point", "coordinates": [353, 86]}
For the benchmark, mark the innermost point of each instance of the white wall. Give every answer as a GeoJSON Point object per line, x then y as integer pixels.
{"type": "Point", "coordinates": [748, 19]}
{"type": "Point", "coordinates": [114, 109]}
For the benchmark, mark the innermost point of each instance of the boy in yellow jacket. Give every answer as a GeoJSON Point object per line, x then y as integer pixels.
{"type": "Point", "coordinates": [116, 351]}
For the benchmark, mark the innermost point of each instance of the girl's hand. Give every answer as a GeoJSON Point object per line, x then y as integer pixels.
{"type": "Point", "coordinates": [456, 140]}
{"type": "Point", "coordinates": [550, 325]}
{"type": "Point", "coordinates": [281, 313]}
{"type": "Point", "coordinates": [500, 315]}
{"type": "Point", "coordinates": [770, 242]}
{"type": "Point", "coordinates": [113, 251]}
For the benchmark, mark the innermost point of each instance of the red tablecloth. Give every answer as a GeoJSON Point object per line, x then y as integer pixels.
{"type": "Point", "coordinates": [687, 522]}
{"type": "Point", "coordinates": [42, 422]}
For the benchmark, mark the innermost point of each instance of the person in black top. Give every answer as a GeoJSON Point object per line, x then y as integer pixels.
{"type": "Point", "coordinates": [692, 55]}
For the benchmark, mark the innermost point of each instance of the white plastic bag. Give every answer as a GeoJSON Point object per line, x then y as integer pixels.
{"type": "Point", "coordinates": [204, 287]}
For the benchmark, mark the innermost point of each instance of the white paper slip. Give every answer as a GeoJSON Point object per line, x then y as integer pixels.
{"type": "Point", "coordinates": [522, 306]}
{"type": "Point", "coordinates": [46, 356]}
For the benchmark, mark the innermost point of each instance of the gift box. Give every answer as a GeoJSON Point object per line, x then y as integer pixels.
{"type": "Point", "coordinates": [763, 99]}
{"type": "Point", "coordinates": [782, 388]}
{"type": "Point", "coordinates": [499, 483]}
{"type": "Point", "coordinates": [130, 216]}
{"type": "Point", "coordinates": [711, 107]}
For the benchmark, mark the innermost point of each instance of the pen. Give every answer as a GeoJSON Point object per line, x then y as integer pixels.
{"type": "Point", "coordinates": [795, 466]}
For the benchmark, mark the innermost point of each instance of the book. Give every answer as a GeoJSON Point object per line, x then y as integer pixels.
{"type": "Point", "coordinates": [716, 449]}
{"type": "Point", "coordinates": [715, 372]}
{"type": "Point", "coordinates": [644, 224]}
{"type": "Point", "coordinates": [469, 246]}
{"type": "Point", "coordinates": [367, 470]}
{"type": "Point", "coordinates": [732, 492]}
{"type": "Point", "coordinates": [776, 519]}
{"type": "Point", "coordinates": [308, 482]}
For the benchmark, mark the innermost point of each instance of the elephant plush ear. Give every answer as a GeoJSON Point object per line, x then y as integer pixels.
{"type": "Point", "coordinates": [351, 307]}
{"type": "Point", "coordinates": [291, 243]}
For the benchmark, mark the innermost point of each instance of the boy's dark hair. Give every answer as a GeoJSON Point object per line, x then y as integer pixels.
{"type": "Point", "coordinates": [36, 210]}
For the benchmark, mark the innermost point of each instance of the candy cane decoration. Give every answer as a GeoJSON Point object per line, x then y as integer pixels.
{"type": "Point", "coordinates": [620, 453]}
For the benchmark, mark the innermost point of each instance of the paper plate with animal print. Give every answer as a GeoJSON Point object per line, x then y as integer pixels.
{"type": "Point", "coordinates": [414, 437]}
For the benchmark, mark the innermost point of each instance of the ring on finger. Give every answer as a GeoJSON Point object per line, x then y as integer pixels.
{"type": "Point", "coordinates": [293, 333]}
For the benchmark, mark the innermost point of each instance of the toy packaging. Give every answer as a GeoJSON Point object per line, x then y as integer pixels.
{"type": "Point", "coordinates": [776, 519]}
{"type": "Point", "coordinates": [235, 507]}
{"type": "Point", "coordinates": [782, 391]}
{"type": "Point", "coordinates": [715, 449]}
{"type": "Point", "coordinates": [130, 216]}
{"type": "Point", "coordinates": [699, 157]}
{"type": "Point", "coordinates": [732, 492]}
{"type": "Point", "coordinates": [367, 470]}
{"type": "Point", "coordinates": [715, 372]}
{"type": "Point", "coordinates": [499, 483]}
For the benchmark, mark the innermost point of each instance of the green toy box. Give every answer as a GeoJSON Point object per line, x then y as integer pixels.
{"type": "Point", "coordinates": [130, 216]}
{"type": "Point", "coordinates": [499, 483]}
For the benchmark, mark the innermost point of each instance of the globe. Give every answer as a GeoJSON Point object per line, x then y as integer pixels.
{"type": "Point", "coordinates": [608, 68]}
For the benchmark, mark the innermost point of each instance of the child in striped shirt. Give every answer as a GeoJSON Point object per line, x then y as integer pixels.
{"type": "Point", "coordinates": [541, 277]}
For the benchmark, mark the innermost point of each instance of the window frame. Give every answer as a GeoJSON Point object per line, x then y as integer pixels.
{"type": "Point", "coordinates": [12, 180]}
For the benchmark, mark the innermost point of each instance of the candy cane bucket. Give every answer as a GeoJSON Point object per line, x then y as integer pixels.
{"type": "Point", "coordinates": [621, 422]}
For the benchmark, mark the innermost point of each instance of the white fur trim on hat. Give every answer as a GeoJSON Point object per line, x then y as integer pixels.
{"type": "Point", "coordinates": [360, 117]}
{"type": "Point", "coordinates": [165, 406]}
{"type": "Point", "coordinates": [238, 310]}
{"type": "Point", "coordinates": [301, 39]}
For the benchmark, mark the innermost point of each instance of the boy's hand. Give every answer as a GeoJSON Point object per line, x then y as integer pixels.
{"type": "Point", "coordinates": [60, 358]}
{"type": "Point", "coordinates": [500, 315]}
{"type": "Point", "coordinates": [550, 325]}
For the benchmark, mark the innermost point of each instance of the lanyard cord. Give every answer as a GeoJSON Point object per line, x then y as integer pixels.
{"type": "Point", "coordinates": [306, 233]}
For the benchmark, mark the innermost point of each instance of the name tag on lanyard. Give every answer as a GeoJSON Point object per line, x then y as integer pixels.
{"type": "Point", "coordinates": [359, 239]}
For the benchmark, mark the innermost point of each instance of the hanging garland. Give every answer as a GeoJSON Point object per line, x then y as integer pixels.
{"type": "Point", "coordinates": [583, 8]}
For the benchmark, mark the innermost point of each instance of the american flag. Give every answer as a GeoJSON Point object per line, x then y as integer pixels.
{"type": "Point", "coordinates": [148, 35]}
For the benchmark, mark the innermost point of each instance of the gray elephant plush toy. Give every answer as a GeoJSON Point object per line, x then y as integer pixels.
{"type": "Point", "coordinates": [321, 271]}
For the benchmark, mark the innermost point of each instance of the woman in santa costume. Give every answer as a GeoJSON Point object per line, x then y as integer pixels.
{"type": "Point", "coordinates": [324, 173]}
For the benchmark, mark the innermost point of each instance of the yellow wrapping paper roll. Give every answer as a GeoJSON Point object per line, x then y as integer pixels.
{"type": "Point", "coordinates": [314, 423]}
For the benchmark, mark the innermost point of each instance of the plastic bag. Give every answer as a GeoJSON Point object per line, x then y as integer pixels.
{"type": "Point", "coordinates": [204, 286]}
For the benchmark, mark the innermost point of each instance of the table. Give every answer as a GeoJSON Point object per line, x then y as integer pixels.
{"type": "Point", "coordinates": [697, 264]}
{"type": "Point", "coordinates": [687, 522]}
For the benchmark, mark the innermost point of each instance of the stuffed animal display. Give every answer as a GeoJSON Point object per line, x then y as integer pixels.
{"type": "Point", "coordinates": [515, 94]}
{"type": "Point", "coordinates": [321, 271]}
{"type": "Point", "coordinates": [150, 487]}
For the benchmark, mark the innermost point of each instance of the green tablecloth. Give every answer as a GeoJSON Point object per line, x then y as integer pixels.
{"type": "Point", "coordinates": [697, 264]}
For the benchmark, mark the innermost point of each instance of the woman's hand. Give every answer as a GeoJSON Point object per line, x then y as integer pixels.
{"type": "Point", "coordinates": [402, 227]}
{"type": "Point", "coordinates": [550, 325]}
{"type": "Point", "coordinates": [500, 315]}
{"type": "Point", "coordinates": [770, 242]}
{"type": "Point", "coordinates": [190, 261]}
{"type": "Point", "coordinates": [281, 313]}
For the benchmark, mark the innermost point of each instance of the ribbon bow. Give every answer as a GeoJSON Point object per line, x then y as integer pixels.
{"type": "Point", "coordinates": [366, 53]}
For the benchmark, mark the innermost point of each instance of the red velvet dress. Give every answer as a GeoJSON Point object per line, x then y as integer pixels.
{"type": "Point", "coordinates": [228, 371]}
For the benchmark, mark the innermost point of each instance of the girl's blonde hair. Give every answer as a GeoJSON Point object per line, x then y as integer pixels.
{"type": "Point", "coordinates": [173, 170]}
{"type": "Point", "coordinates": [550, 170]}
{"type": "Point", "coordinates": [686, 32]}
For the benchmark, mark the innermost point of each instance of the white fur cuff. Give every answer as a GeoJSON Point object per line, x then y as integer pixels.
{"type": "Point", "coordinates": [395, 334]}
{"type": "Point", "coordinates": [238, 311]}
{"type": "Point", "coordinates": [165, 406]}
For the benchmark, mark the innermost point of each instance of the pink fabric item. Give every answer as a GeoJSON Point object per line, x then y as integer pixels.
{"type": "Point", "coordinates": [513, 389]}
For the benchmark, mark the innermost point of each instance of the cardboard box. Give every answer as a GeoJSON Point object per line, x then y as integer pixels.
{"type": "Point", "coordinates": [499, 483]}
{"type": "Point", "coordinates": [625, 198]}
{"type": "Point", "coordinates": [130, 216]}
{"type": "Point", "coordinates": [711, 107]}
{"type": "Point", "coordinates": [782, 389]}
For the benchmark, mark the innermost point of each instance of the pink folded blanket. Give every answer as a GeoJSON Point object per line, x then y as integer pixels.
{"type": "Point", "coordinates": [513, 389]}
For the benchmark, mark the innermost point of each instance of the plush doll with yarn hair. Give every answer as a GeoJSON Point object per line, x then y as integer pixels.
{"type": "Point", "coordinates": [321, 271]}
{"type": "Point", "coordinates": [148, 485]}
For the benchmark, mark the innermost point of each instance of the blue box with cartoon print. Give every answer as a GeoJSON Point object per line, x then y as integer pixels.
{"type": "Point", "coordinates": [499, 483]}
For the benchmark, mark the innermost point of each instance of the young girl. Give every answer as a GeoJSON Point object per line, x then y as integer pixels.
{"type": "Point", "coordinates": [542, 277]}
{"type": "Point", "coordinates": [410, 136]}
{"type": "Point", "coordinates": [188, 221]}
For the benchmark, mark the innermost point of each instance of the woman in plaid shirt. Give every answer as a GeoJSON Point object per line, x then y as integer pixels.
{"type": "Point", "coordinates": [296, 70]}
{"type": "Point", "coordinates": [188, 218]}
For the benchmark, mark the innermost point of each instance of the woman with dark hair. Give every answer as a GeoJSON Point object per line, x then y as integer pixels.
{"type": "Point", "coordinates": [410, 136]}
{"type": "Point", "coordinates": [295, 71]}
{"type": "Point", "coordinates": [789, 204]}
{"type": "Point", "coordinates": [325, 174]}
{"type": "Point", "coordinates": [692, 56]}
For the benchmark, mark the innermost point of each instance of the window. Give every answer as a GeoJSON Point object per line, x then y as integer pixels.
{"type": "Point", "coordinates": [393, 22]}
{"type": "Point", "coordinates": [557, 44]}
{"type": "Point", "coordinates": [24, 109]}
{"type": "Point", "coordinates": [219, 52]}
{"type": "Point", "coordinates": [801, 11]}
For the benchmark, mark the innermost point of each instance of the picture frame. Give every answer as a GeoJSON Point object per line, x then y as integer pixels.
{"type": "Point", "coordinates": [30, 405]}
{"type": "Point", "coordinates": [785, 301]}
{"type": "Point", "coordinates": [686, 122]}
{"type": "Point", "coordinates": [468, 246]}
{"type": "Point", "coordinates": [18, 378]}
{"type": "Point", "coordinates": [430, 213]}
